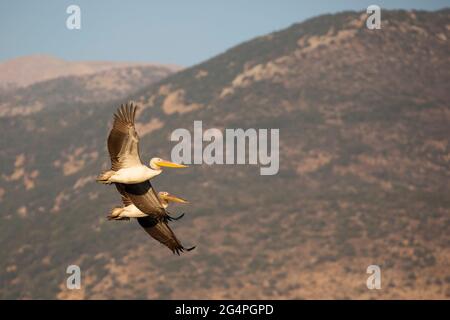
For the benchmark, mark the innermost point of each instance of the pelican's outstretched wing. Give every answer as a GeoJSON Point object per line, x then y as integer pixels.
{"type": "Point", "coordinates": [144, 197]}
{"type": "Point", "coordinates": [161, 231]}
{"type": "Point", "coordinates": [123, 141]}
{"type": "Point", "coordinates": [125, 198]}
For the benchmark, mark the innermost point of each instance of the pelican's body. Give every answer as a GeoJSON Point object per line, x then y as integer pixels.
{"type": "Point", "coordinates": [132, 175]}
{"type": "Point", "coordinates": [125, 213]}
{"type": "Point", "coordinates": [123, 147]}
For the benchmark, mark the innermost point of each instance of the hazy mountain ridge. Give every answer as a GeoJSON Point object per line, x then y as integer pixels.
{"type": "Point", "coordinates": [364, 176]}
{"type": "Point", "coordinates": [24, 71]}
{"type": "Point", "coordinates": [102, 86]}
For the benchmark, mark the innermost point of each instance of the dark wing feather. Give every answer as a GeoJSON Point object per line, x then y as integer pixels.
{"type": "Point", "coordinates": [162, 232]}
{"type": "Point", "coordinates": [125, 198]}
{"type": "Point", "coordinates": [145, 198]}
{"type": "Point", "coordinates": [123, 140]}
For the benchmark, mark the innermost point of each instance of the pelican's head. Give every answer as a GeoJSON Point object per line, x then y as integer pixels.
{"type": "Point", "coordinates": [157, 163]}
{"type": "Point", "coordinates": [167, 197]}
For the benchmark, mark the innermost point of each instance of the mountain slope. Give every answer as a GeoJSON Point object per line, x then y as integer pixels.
{"type": "Point", "coordinates": [364, 174]}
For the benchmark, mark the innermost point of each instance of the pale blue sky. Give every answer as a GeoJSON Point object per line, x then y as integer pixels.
{"type": "Point", "coordinates": [181, 32]}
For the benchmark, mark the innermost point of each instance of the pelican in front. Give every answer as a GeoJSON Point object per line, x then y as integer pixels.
{"type": "Point", "coordinates": [156, 228]}
{"type": "Point", "coordinates": [129, 210]}
{"type": "Point", "coordinates": [123, 147]}
{"type": "Point", "coordinates": [146, 202]}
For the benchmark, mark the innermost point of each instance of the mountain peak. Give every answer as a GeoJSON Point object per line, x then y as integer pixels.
{"type": "Point", "coordinates": [25, 70]}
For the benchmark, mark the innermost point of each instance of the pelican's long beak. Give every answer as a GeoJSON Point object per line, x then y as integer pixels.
{"type": "Point", "coordinates": [169, 164]}
{"type": "Point", "coordinates": [171, 197]}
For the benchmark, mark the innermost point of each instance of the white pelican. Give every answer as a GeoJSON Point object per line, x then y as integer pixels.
{"type": "Point", "coordinates": [144, 198]}
{"type": "Point", "coordinates": [123, 147]}
{"type": "Point", "coordinates": [155, 227]}
{"type": "Point", "coordinates": [129, 210]}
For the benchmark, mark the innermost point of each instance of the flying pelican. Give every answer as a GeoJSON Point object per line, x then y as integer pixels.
{"type": "Point", "coordinates": [123, 147]}
{"type": "Point", "coordinates": [129, 210]}
{"type": "Point", "coordinates": [144, 198]}
{"type": "Point", "coordinates": [157, 229]}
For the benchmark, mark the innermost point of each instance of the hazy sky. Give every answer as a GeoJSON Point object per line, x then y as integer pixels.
{"type": "Point", "coordinates": [181, 32]}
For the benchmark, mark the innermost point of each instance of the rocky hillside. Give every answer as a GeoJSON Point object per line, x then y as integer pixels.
{"type": "Point", "coordinates": [364, 174]}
